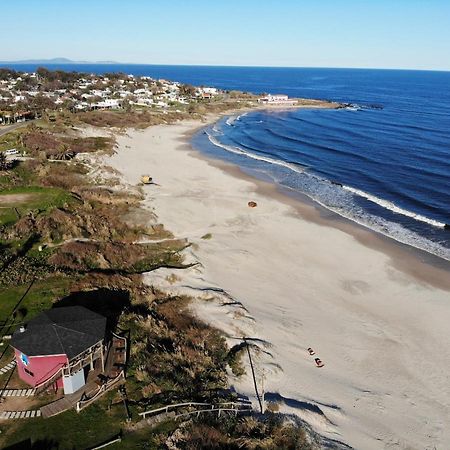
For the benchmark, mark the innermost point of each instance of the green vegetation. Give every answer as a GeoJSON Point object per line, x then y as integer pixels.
{"type": "Point", "coordinates": [40, 297]}
{"type": "Point", "coordinates": [235, 359]}
{"type": "Point", "coordinates": [68, 430]}
{"type": "Point", "coordinates": [207, 236]}
{"type": "Point", "coordinates": [8, 216]}
{"type": "Point", "coordinates": [11, 140]}
{"type": "Point", "coordinates": [99, 423]}
{"type": "Point", "coordinates": [16, 202]}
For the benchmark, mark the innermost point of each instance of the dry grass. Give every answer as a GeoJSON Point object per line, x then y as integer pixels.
{"type": "Point", "coordinates": [39, 141]}
{"type": "Point", "coordinates": [129, 119]}
{"type": "Point", "coordinates": [271, 432]}
{"type": "Point", "coordinates": [85, 256]}
{"type": "Point", "coordinates": [175, 355]}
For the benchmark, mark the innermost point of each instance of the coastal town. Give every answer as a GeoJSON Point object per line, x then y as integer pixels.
{"type": "Point", "coordinates": [26, 96]}
{"type": "Point", "coordinates": [23, 96]}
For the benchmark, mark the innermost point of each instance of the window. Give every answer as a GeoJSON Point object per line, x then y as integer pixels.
{"type": "Point", "coordinates": [29, 372]}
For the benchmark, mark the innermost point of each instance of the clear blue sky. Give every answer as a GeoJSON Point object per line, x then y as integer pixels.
{"type": "Point", "coordinates": [314, 33]}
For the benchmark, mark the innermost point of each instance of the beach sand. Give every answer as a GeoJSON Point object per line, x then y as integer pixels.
{"type": "Point", "coordinates": [289, 278]}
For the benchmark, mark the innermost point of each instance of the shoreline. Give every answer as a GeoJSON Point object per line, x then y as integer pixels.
{"type": "Point", "coordinates": [271, 274]}
{"type": "Point", "coordinates": [425, 266]}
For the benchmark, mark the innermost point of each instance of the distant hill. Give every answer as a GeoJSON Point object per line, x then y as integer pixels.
{"type": "Point", "coordinates": [56, 61]}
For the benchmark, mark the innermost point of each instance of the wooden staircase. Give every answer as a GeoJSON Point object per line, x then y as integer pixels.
{"type": "Point", "coordinates": [40, 388]}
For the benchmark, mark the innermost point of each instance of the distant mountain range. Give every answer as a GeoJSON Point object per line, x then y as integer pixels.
{"type": "Point", "coordinates": [56, 61]}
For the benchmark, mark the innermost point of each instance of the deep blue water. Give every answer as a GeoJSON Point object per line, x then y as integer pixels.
{"type": "Point", "coordinates": [384, 163]}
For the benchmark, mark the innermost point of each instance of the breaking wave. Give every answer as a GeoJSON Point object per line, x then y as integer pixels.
{"type": "Point", "coordinates": [239, 151]}
{"type": "Point", "coordinates": [334, 196]}
{"type": "Point", "coordinates": [394, 208]}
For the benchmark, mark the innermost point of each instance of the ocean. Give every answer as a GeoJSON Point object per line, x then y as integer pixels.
{"type": "Point", "coordinates": [384, 162]}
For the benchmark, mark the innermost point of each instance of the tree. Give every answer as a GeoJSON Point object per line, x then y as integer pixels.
{"type": "Point", "coordinates": [43, 73]}
{"type": "Point", "coordinates": [6, 74]}
{"type": "Point", "coordinates": [4, 163]}
{"type": "Point", "coordinates": [187, 90]}
{"type": "Point", "coordinates": [40, 103]}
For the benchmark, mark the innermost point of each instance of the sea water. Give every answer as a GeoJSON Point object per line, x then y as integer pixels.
{"type": "Point", "coordinates": [383, 162]}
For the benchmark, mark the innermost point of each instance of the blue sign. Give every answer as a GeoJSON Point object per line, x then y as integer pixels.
{"type": "Point", "coordinates": [24, 359]}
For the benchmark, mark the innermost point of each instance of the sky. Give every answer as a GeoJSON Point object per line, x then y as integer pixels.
{"type": "Point", "coordinates": [407, 34]}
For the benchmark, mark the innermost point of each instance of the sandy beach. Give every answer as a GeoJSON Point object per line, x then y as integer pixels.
{"type": "Point", "coordinates": [290, 278]}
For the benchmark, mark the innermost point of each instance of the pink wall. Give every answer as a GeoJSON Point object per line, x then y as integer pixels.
{"type": "Point", "coordinates": [42, 368]}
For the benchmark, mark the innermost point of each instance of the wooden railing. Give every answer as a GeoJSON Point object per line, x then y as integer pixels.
{"type": "Point", "coordinates": [40, 387]}
{"type": "Point", "coordinates": [84, 359]}
{"type": "Point", "coordinates": [83, 403]}
{"type": "Point", "coordinates": [207, 407]}
{"type": "Point", "coordinates": [106, 444]}
{"type": "Point", "coordinates": [219, 411]}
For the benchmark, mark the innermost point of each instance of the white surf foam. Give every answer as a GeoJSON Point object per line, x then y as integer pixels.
{"type": "Point", "coordinates": [394, 208]}
{"type": "Point", "coordinates": [353, 212]}
{"type": "Point", "coordinates": [389, 229]}
{"type": "Point", "coordinates": [240, 151]}
{"type": "Point", "coordinates": [230, 121]}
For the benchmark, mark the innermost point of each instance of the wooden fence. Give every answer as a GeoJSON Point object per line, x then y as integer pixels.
{"type": "Point", "coordinates": [199, 408]}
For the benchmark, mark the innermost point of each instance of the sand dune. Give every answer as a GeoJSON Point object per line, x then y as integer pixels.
{"type": "Point", "coordinates": [290, 283]}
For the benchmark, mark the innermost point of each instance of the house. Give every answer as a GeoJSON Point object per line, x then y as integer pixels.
{"type": "Point", "coordinates": [108, 103]}
{"type": "Point", "coordinates": [59, 347]}
{"type": "Point", "coordinates": [209, 90]}
{"type": "Point", "coordinates": [278, 99]}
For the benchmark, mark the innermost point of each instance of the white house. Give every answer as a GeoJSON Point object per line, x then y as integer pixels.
{"type": "Point", "coordinates": [209, 90]}
{"type": "Point", "coordinates": [108, 103]}
{"type": "Point", "coordinates": [278, 99]}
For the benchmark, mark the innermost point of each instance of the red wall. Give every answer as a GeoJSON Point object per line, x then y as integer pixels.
{"type": "Point", "coordinates": [42, 367]}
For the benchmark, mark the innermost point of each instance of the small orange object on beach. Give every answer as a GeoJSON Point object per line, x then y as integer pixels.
{"type": "Point", "coordinates": [252, 204]}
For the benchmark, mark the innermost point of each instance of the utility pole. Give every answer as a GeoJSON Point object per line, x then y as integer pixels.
{"type": "Point", "coordinates": [254, 377]}
{"type": "Point", "coordinates": [263, 394]}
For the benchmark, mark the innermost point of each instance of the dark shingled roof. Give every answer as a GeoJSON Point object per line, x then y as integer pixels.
{"type": "Point", "coordinates": [69, 330]}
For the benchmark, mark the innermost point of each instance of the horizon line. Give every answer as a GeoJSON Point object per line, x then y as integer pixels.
{"type": "Point", "coordinates": [69, 62]}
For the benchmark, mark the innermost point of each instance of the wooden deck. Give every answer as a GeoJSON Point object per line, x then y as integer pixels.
{"type": "Point", "coordinates": [69, 401]}
{"type": "Point", "coordinates": [115, 362]}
